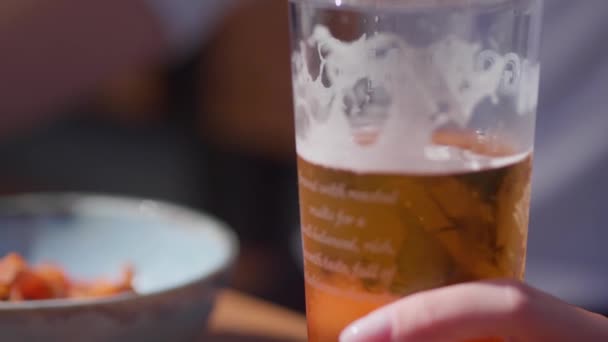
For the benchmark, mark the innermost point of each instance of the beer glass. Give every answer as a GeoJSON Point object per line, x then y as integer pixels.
{"type": "Point", "coordinates": [414, 133]}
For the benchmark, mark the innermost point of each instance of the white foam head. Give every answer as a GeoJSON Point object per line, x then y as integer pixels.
{"type": "Point", "coordinates": [376, 100]}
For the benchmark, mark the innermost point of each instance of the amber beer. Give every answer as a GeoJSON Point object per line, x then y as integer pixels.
{"type": "Point", "coordinates": [370, 238]}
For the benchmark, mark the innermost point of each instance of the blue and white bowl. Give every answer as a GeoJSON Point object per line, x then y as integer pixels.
{"type": "Point", "coordinates": [180, 258]}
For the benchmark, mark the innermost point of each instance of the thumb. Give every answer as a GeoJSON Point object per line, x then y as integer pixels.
{"type": "Point", "coordinates": [475, 311]}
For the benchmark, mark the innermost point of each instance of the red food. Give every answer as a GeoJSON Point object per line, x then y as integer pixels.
{"type": "Point", "coordinates": [19, 281]}
{"type": "Point", "coordinates": [31, 286]}
{"type": "Point", "coordinates": [55, 278]}
{"type": "Point", "coordinates": [10, 266]}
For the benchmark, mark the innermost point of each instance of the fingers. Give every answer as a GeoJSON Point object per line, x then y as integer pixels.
{"type": "Point", "coordinates": [478, 310]}
{"type": "Point", "coordinates": [453, 313]}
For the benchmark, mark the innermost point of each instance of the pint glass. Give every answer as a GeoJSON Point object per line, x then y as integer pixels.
{"type": "Point", "coordinates": [414, 133]}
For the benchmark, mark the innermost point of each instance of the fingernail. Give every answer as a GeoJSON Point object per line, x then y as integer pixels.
{"type": "Point", "coordinates": [372, 328]}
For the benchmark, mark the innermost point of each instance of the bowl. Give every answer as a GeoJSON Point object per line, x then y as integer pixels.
{"type": "Point", "coordinates": [181, 258]}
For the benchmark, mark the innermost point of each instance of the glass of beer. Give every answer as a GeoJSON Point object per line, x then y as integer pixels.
{"type": "Point", "coordinates": [414, 133]}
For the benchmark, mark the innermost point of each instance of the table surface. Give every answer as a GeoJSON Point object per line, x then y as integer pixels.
{"type": "Point", "coordinates": [238, 317]}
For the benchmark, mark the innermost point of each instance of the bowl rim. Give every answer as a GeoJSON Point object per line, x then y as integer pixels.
{"type": "Point", "coordinates": [156, 207]}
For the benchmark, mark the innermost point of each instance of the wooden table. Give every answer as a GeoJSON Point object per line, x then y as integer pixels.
{"type": "Point", "coordinates": [241, 318]}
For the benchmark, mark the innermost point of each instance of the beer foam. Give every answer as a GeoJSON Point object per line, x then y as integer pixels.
{"type": "Point", "coordinates": [376, 101]}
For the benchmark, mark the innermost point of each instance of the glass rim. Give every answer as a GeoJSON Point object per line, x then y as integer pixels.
{"type": "Point", "coordinates": [417, 4]}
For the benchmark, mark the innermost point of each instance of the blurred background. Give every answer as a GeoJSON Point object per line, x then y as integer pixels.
{"type": "Point", "coordinates": [211, 129]}
{"type": "Point", "coordinates": [205, 120]}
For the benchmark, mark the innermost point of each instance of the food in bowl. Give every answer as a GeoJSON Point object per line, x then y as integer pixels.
{"type": "Point", "coordinates": [20, 281]}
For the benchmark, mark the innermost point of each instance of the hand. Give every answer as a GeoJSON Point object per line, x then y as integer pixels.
{"type": "Point", "coordinates": [473, 311]}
